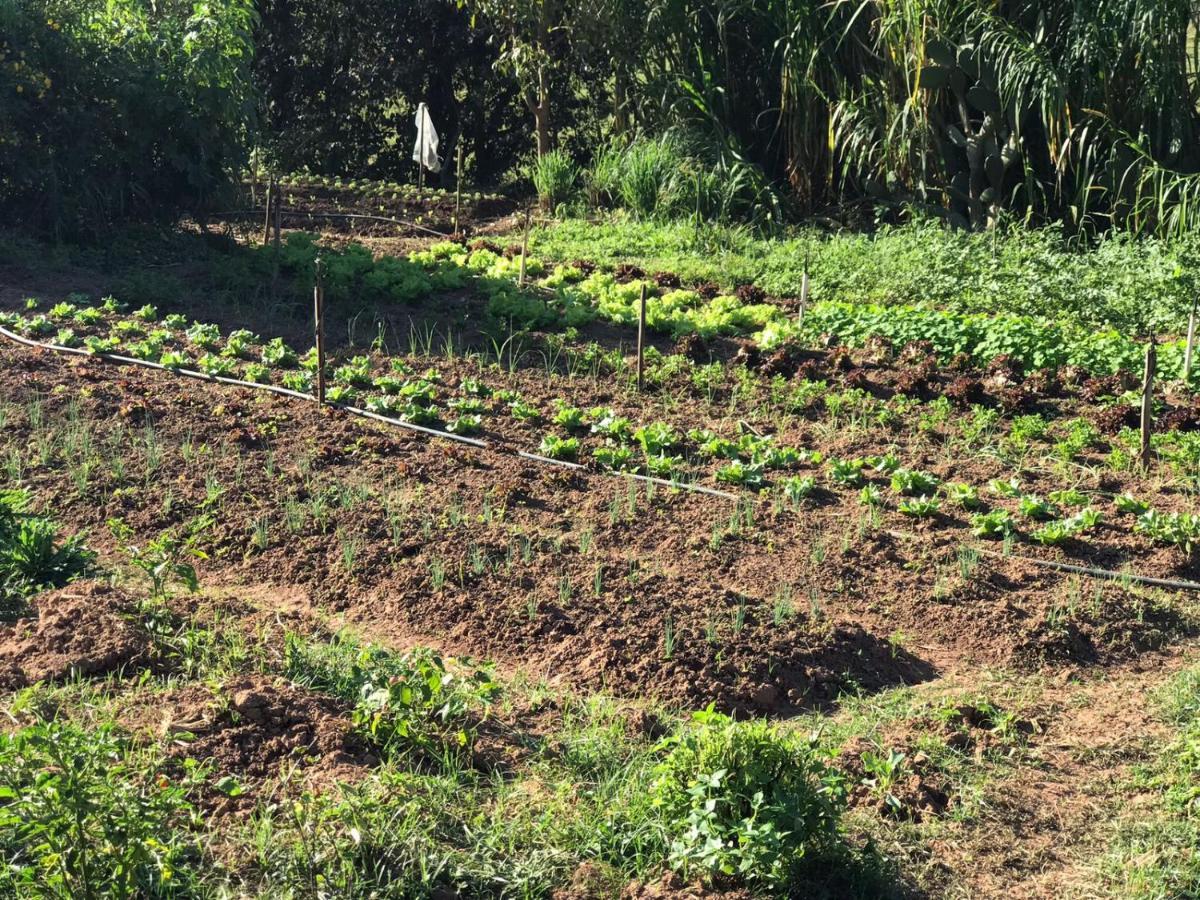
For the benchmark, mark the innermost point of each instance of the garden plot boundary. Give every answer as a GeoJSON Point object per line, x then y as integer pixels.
{"type": "Point", "coordinates": [366, 414]}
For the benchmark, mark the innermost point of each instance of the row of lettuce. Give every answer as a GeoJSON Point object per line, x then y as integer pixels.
{"type": "Point", "coordinates": [566, 297]}
{"type": "Point", "coordinates": [612, 441]}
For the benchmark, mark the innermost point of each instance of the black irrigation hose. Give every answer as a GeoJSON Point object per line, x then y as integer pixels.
{"type": "Point", "coordinates": [1106, 574]}
{"type": "Point", "coordinates": [326, 215]}
{"type": "Point", "coordinates": [354, 411]}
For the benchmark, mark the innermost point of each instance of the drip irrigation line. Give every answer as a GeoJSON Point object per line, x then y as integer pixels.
{"type": "Point", "coordinates": [354, 411]}
{"type": "Point", "coordinates": [366, 414]}
{"type": "Point", "coordinates": [326, 215]}
{"type": "Point", "coordinates": [1106, 574]}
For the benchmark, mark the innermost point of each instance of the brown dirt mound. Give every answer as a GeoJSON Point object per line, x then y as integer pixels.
{"type": "Point", "coordinates": [265, 725]}
{"type": "Point", "coordinates": [673, 887]}
{"type": "Point", "coordinates": [82, 629]}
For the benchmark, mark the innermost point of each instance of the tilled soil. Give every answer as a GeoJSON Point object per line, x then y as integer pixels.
{"type": "Point", "coordinates": [84, 629]}
{"type": "Point", "coordinates": [574, 576]}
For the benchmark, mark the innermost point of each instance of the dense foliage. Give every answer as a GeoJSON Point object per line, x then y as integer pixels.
{"type": "Point", "coordinates": [123, 108]}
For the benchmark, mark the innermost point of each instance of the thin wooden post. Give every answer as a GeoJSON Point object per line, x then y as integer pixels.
{"type": "Point", "coordinates": [421, 157]}
{"type": "Point", "coordinates": [278, 215]}
{"type": "Point", "coordinates": [458, 188]}
{"type": "Point", "coordinates": [267, 220]}
{"type": "Point", "coordinates": [641, 340]}
{"type": "Point", "coordinates": [1190, 349]}
{"type": "Point", "coordinates": [1147, 402]}
{"type": "Point", "coordinates": [319, 323]}
{"type": "Point", "coordinates": [524, 247]}
{"type": "Point", "coordinates": [804, 286]}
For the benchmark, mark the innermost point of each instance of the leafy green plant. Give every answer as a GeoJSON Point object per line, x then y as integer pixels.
{"type": "Point", "coordinates": [744, 799]}
{"type": "Point", "coordinates": [919, 507]}
{"type": "Point", "coordinates": [619, 458]}
{"type": "Point", "coordinates": [882, 773]}
{"type": "Point", "coordinates": [174, 359]}
{"type": "Point", "coordinates": [964, 495]}
{"type": "Point", "coordinates": [1181, 530]}
{"type": "Point", "coordinates": [847, 472]}
{"type": "Point", "coordinates": [995, 524]}
{"type": "Point", "coordinates": [256, 373]}
{"type": "Point", "coordinates": [568, 417]}
{"type": "Point", "coordinates": [204, 336]}
{"type": "Point", "coordinates": [556, 447]}
{"type": "Point", "coordinates": [1128, 505]}
{"type": "Point", "coordinates": [870, 495]}
{"type": "Point", "coordinates": [740, 473]}
{"type": "Point", "coordinates": [465, 424]}
{"type": "Point", "coordinates": [1005, 488]}
{"type": "Point", "coordinates": [211, 364]}
{"type": "Point", "coordinates": [238, 344]}
{"type": "Point", "coordinates": [664, 465]}
{"type": "Point", "coordinates": [657, 438]}
{"type": "Point", "coordinates": [1034, 507]}
{"type": "Point", "coordinates": [911, 483]}
{"type": "Point", "coordinates": [799, 488]}
{"type": "Point", "coordinates": [415, 706]}
{"type": "Point", "coordinates": [524, 412]}
{"type": "Point", "coordinates": [85, 814]}
{"type": "Point", "coordinates": [32, 557]}
{"type": "Point", "coordinates": [278, 354]}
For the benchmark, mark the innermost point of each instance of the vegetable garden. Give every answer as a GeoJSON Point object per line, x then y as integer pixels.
{"type": "Point", "coordinates": [794, 517]}
{"type": "Point", "coordinates": [742, 450]}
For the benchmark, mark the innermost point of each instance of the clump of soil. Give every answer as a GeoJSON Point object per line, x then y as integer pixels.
{"type": "Point", "coordinates": [82, 629]}
{"type": "Point", "coordinates": [672, 886]}
{"type": "Point", "coordinates": [693, 347]}
{"type": "Point", "coordinates": [265, 725]}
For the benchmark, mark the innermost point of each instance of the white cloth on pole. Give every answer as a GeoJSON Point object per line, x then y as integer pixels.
{"type": "Point", "coordinates": [425, 150]}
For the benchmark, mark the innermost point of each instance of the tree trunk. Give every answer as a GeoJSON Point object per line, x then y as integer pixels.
{"type": "Point", "coordinates": [541, 115]}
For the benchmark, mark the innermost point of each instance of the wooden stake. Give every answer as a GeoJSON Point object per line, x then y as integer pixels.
{"type": "Point", "coordinates": [803, 291]}
{"type": "Point", "coordinates": [1190, 349]}
{"type": "Point", "coordinates": [458, 188]}
{"type": "Point", "coordinates": [524, 247]}
{"type": "Point", "coordinates": [278, 215]}
{"type": "Point", "coordinates": [641, 345]}
{"type": "Point", "coordinates": [267, 220]}
{"type": "Point", "coordinates": [1147, 402]}
{"type": "Point", "coordinates": [421, 160]}
{"type": "Point", "coordinates": [319, 323]}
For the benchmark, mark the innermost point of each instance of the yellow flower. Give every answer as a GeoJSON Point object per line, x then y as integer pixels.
{"type": "Point", "coordinates": [47, 80]}
{"type": "Point", "coordinates": [20, 89]}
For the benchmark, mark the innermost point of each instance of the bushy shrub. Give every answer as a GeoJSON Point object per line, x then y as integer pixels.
{"type": "Point", "coordinates": [744, 799]}
{"type": "Point", "coordinates": [118, 108]}
{"type": "Point", "coordinates": [83, 815]}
